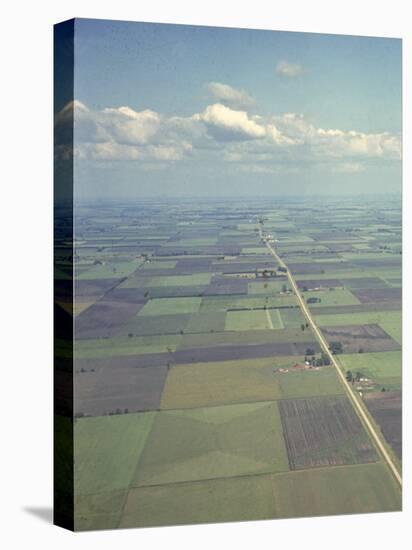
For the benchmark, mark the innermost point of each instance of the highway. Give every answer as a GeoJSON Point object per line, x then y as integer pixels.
{"type": "Point", "coordinates": [324, 345]}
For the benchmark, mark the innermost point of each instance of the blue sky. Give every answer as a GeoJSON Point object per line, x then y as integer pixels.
{"type": "Point", "coordinates": [169, 109]}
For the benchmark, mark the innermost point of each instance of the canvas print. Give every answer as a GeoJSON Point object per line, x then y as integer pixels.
{"type": "Point", "coordinates": [228, 274]}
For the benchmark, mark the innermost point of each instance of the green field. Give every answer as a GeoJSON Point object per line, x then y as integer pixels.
{"type": "Point", "coordinates": [155, 324]}
{"type": "Point", "coordinates": [247, 320]}
{"type": "Point", "coordinates": [390, 321]}
{"type": "Point", "coordinates": [107, 450]}
{"type": "Point", "coordinates": [209, 321]}
{"type": "Point", "coordinates": [246, 337]}
{"type": "Point", "coordinates": [110, 270]}
{"type": "Point", "coordinates": [99, 511]}
{"type": "Point", "coordinates": [246, 381]}
{"type": "Point", "coordinates": [336, 490]}
{"type": "Point", "coordinates": [140, 281]}
{"type": "Point", "coordinates": [167, 264]}
{"type": "Point", "coordinates": [336, 297]}
{"type": "Point", "coordinates": [216, 500]}
{"type": "Point", "coordinates": [120, 346]}
{"type": "Point", "coordinates": [383, 367]}
{"type": "Point", "coordinates": [292, 317]}
{"type": "Point", "coordinates": [198, 279]}
{"type": "Point", "coordinates": [214, 442]}
{"type": "Point", "coordinates": [191, 243]}
{"type": "Point", "coordinates": [167, 306]}
{"type": "Point", "coordinates": [357, 272]}
{"type": "Point", "coordinates": [392, 324]}
{"type": "Point", "coordinates": [255, 250]}
{"type": "Point", "coordinates": [380, 256]}
{"type": "Point", "coordinates": [310, 383]}
{"type": "Point", "coordinates": [269, 287]}
{"type": "Point", "coordinates": [249, 302]}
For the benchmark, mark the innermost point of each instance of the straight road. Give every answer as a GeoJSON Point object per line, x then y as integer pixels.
{"type": "Point", "coordinates": [324, 345]}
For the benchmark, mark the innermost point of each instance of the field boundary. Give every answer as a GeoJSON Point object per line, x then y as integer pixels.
{"type": "Point", "coordinates": [241, 476]}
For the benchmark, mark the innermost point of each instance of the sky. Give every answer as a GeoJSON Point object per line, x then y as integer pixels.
{"type": "Point", "coordinates": [173, 110]}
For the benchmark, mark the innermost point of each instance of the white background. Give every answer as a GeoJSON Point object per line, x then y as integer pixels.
{"type": "Point", "coordinates": [26, 273]}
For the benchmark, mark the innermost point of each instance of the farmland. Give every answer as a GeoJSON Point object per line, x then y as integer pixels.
{"type": "Point", "coordinates": [197, 374]}
{"type": "Point", "coordinates": [324, 432]}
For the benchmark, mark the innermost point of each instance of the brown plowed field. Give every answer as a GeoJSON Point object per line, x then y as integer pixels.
{"type": "Point", "coordinates": [324, 431]}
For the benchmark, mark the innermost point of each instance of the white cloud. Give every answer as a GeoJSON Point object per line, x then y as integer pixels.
{"type": "Point", "coordinates": [217, 133]}
{"type": "Point", "coordinates": [225, 94]}
{"type": "Point", "coordinates": [294, 129]}
{"type": "Point", "coordinates": [129, 126]}
{"type": "Point", "coordinates": [121, 134]}
{"type": "Point", "coordinates": [336, 143]}
{"type": "Point", "coordinates": [107, 151]}
{"type": "Point", "coordinates": [112, 151]}
{"type": "Point", "coordinates": [284, 68]}
{"type": "Point", "coordinates": [226, 124]}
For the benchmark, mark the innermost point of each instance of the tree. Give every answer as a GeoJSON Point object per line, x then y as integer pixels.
{"type": "Point", "coordinates": [325, 359]}
{"type": "Point", "coordinates": [336, 347]}
{"type": "Point", "coordinates": [349, 376]}
{"type": "Point", "coordinates": [313, 300]}
{"type": "Point", "coordinates": [310, 351]}
{"type": "Point", "coordinates": [302, 327]}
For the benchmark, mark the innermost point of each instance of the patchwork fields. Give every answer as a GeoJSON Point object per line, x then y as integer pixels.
{"type": "Point", "coordinates": [201, 393]}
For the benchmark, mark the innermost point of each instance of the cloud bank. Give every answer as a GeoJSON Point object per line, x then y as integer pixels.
{"type": "Point", "coordinates": [220, 132]}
